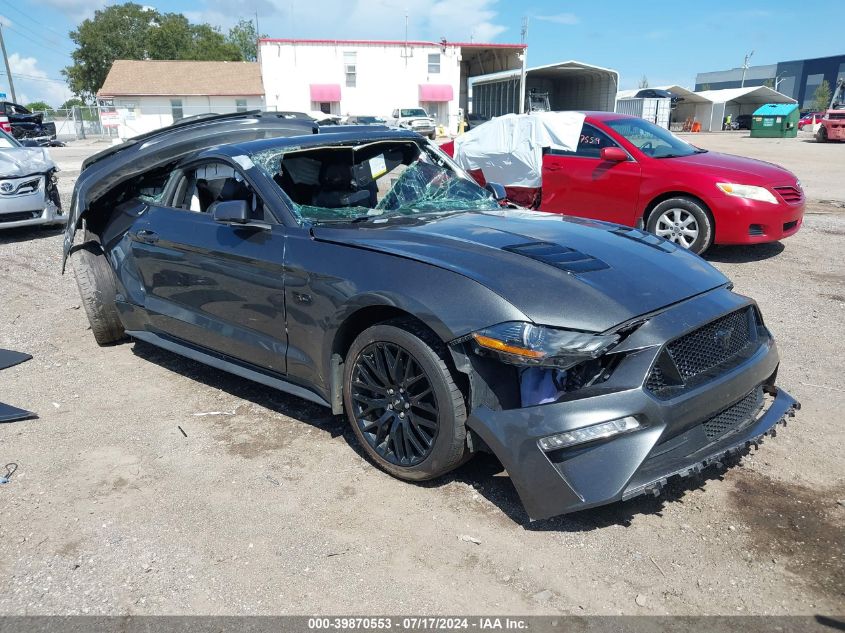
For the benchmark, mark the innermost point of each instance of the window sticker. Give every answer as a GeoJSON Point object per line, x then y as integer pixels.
{"type": "Point", "coordinates": [378, 167]}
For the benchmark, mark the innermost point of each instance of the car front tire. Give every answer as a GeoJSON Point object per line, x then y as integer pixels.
{"type": "Point", "coordinates": [98, 289]}
{"type": "Point", "coordinates": [402, 401]}
{"type": "Point", "coordinates": [683, 221]}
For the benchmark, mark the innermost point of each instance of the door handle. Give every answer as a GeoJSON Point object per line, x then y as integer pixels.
{"type": "Point", "coordinates": [147, 236]}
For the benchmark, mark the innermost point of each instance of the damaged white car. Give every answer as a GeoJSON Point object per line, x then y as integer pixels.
{"type": "Point", "coordinates": [29, 195]}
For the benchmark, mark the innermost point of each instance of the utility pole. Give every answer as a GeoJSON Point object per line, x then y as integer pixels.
{"type": "Point", "coordinates": [524, 73]}
{"type": "Point", "coordinates": [745, 68]}
{"type": "Point", "coordinates": [8, 70]}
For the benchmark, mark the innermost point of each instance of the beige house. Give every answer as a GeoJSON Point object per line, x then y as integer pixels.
{"type": "Point", "coordinates": [140, 96]}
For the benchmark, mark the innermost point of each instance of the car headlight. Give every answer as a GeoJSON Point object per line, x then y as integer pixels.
{"type": "Point", "coordinates": [520, 343]}
{"type": "Point", "coordinates": [749, 192]}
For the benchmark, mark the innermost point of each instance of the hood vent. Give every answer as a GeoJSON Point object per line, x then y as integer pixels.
{"type": "Point", "coordinates": [648, 239]}
{"type": "Point", "coordinates": [561, 257]}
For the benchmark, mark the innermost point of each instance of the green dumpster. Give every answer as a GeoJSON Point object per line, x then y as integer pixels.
{"type": "Point", "coordinates": [775, 120]}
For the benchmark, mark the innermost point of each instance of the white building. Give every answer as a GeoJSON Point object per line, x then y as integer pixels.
{"type": "Point", "coordinates": [365, 77]}
{"type": "Point", "coordinates": [140, 96]}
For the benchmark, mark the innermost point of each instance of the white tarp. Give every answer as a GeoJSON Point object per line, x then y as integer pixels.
{"type": "Point", "coordinates": [509, 149]}
{"type": "Point", "coordinates": [24, 161]}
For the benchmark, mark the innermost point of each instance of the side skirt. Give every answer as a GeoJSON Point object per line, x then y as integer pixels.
{"type": "Point", "coordinates": [219, 362]}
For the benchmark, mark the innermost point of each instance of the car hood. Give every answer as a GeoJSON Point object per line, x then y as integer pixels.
{"type": "Point", "coordinates": [559, 271]}
{"type": "Point", "coordinates": [741, 170]}
{"type": "Point", "coordinates": [24, 161]}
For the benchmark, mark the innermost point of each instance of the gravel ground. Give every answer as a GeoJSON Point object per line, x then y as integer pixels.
{"type": "Point", "coordinates": [266, 506]}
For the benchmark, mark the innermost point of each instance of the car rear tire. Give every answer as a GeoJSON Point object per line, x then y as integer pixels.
{"type": "Point", "coordinates": [97, 289]}
{"type": "Point", "coordinates": [402, 401]}
{"type": "Point", "coordinates": [683, 221]}
{"type": "Point", "coordinates": [822, 135]}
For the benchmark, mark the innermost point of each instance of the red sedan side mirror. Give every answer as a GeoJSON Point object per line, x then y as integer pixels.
{"type": "Point", "coordinates": [614, 154]}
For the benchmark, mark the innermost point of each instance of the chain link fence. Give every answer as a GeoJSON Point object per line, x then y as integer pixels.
{"type": "Point", "coordinates": [121, 123]}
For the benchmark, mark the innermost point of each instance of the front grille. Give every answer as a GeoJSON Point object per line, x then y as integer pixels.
{"type": "Point", "coordinates": [790, 194]}
{"type": "Point", "coordinates": [696, 356]}
{"type": "Point", "coordinates": [18, 216]}
{"type": "Point", "coordinates": [734, 417]}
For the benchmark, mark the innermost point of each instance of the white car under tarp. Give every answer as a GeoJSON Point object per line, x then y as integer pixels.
{"type": "Point", "coordinates": [509, 149]}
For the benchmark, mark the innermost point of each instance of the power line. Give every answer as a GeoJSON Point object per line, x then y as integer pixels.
{"type": "Point", "coordinates": [10, 5]}
{"type": "Point", "coordinates": [42, 44]}
{"type": "Point", "coordinates": [35, 78]}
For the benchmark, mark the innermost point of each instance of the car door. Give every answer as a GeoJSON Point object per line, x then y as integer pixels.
{"type": "Point", "coordinates": [214, 285]}
{"type": "Point", "coordinates": [581, 183]}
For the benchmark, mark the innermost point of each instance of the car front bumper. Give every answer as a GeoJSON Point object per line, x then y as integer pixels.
{"type": "Point", "coordinates": [672, 440]}
{"type": "Point", "coordinates": [29, 209]}
{"type": "Point", "coordinates": [741, 221]}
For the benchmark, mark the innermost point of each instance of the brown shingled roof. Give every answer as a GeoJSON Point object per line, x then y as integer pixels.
{"type": "Point", "coordinates": [177, 77]}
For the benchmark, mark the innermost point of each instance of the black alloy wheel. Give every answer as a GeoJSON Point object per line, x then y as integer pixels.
{"type": "Point", "coordinates": [394, 404]}
{"type": "Point", "coordinates": [403, 401]}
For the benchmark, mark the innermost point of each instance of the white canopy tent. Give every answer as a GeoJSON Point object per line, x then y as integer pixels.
{"type": "Point", "coordinates": [736, 101]}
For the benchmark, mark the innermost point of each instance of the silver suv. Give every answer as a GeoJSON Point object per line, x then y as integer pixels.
{"type": "Point", "coordinates": [415, 119]}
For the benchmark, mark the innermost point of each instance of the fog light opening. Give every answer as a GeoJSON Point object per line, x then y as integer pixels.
{"type": "Point", "coordinates": [599, 431]}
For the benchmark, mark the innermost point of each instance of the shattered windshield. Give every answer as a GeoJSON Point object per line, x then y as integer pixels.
{"type": "Point", "coordinates": [371, 182]}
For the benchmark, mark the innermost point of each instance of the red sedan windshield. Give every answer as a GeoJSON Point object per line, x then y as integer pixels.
{"type": "Point", "coordinates": [651, 139]}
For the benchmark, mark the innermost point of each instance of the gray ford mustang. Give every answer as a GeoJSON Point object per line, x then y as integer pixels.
{"type": "Point", "coordinates": [359, 268]}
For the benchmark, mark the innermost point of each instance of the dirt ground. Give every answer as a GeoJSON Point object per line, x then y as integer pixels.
{"type": "Point", "coordinates": [266, 506]}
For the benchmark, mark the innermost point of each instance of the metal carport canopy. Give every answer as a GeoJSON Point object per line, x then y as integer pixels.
{"type": "Point", "coordinates": [572, 85]}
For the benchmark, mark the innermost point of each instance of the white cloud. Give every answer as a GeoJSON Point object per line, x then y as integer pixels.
{"type": "Point", "coordinates": [560, 18]}
{"type": "Point", "coordinates": [76, 10]}
{"type": "Point", "coordinates": [33, 84]}
{"type": "Point", "coordinates": [359, 19]}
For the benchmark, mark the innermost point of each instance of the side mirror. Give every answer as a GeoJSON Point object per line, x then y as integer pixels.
{"type": "Point", "coordinates": [230, 211]}
{"type": "Point", "coordinates": [498, 191]}
{"type": "Point", "coordinates": [614, 154]}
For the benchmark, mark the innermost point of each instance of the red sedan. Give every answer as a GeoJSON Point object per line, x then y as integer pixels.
{"type": "Point", "coordinates": [629, 171]}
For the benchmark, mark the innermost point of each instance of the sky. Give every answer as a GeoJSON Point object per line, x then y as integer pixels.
{"type": "Point", "coordinates": [668, 42]}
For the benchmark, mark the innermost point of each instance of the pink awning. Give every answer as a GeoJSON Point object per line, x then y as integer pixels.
{"type": "Point", "coordinates": [325, 92]}
{"type": "Point", "coordinates": [436, 92]}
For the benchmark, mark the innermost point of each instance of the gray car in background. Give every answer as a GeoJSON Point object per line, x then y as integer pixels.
{"type": "Point", "coordinates": [28, 192]}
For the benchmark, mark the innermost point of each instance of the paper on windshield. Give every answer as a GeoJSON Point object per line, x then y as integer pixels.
{"type": "Point", "coordinates": [509, 149]}
{"type": "Point", "coordinates": [24, 161]}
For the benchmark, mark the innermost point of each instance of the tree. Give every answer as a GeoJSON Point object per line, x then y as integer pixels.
{"type": "Point", "coordinates": [130, 31]}
{"type": "Point", "coordinates": [822, 96]}
{"type": "Point", "coordinates": [769, 83]}
{"type": "Point", "coordinates": [38, 106]}
{"type": "Point", "coordinates": [643, 82]}
{"type": "Point", "coordinates": [245, 37]}
{"type": "Point", "coordinates": [71, 103]}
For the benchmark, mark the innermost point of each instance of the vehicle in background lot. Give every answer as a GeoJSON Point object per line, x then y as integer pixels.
{"type": "Point", "coordinates": [473, 120]}
{"type": "Point", "coordinates": [631, 172]}
{"type": "Point", "coordinates": [28, 192]}
{"type": "Point", "coordinates": [537, 101]}
{"type": "Point", "coordinates": [807, 119]}
{"type": "Point", "coordinates": [365, 120]}
{"type": "Point", "coordinates": [742, 122]}
{"type": "Point", "coordinates": [25, 124]}
{"type": "Point", "coordinates": [414, 119]}
{"type": "Point", "coordinates": [832, 125]}
{"type": "Point", "coordinates": [363, 270]}
{"type": "Point", "coordinates": [656, 93]}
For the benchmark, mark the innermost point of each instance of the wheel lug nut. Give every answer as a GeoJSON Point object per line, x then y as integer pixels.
{"type": "Point", "coordinates": [407, 406]}
{"type": "Point", "coordinates": [401, 415]}
{"type": "Point", "coordinates": [390, 392]}
{"type": "Point", "coordinates": [401, 390]}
